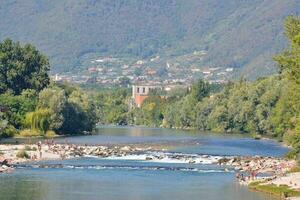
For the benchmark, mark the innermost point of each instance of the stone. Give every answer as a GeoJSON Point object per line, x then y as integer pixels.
{"type": "Point", "coordinates": [149, 158]}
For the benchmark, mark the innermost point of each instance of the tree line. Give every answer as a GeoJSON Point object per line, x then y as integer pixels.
{"type": "Point", "coordinates": [32, 105]}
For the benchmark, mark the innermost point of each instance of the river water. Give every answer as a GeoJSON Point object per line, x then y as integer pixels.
{"type": "Point", "coordinates": [137, 179]}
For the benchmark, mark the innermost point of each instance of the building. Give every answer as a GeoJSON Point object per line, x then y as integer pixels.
{"type": "Point", "coordinates": [141, 92]}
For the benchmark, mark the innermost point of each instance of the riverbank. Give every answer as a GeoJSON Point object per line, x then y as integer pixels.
{"type": "Point", "coordinates": [284, 185]}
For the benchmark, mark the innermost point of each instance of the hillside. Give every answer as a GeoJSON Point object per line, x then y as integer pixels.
{"type": "Point", "coordinates": [243, 34]}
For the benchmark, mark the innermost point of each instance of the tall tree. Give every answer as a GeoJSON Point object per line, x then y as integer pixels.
{"type": "Point", "coordinates": [289, 60]}
{"type": "Point", "coordinates": [55, 100]}
{"type": "Point", "coordinates": [22, 67]}
{"type": "Point", "coordinates": [200, 89]}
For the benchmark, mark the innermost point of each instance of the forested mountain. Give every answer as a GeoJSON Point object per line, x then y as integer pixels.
{"type": "Point", "coordinates": [235, 33]}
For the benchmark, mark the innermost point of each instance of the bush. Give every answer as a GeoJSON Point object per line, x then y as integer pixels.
{"type": "Point", "coordinates": [50, 134]}
{"type": "Point", "coordinates": [292, 138]}
{"type": "Point", "coordinates": [256, 136]}
{"type": "Point", "coordinates": [28, 148]}
{"type": "Point", "coordinates": [295, 169]}
{"type": "Point", "coordinates": [29, 133]}
{"type": "Point", "coordinates": [10, 131]}
{"type": "Point", "coordinates": [22, 154]}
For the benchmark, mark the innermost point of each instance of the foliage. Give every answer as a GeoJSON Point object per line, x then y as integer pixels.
{"type": "Point", "coordinates": [23, 73]}
{"type": "Point", "coordinates": [33, 107]}
{"type": "Point", "coordinates": [16, 107]}
{"type": "Point", "coordinates": [22, 154]}
{"type": "Point", "coordinates": [29, 148]}
{"type": "Point", "coordinates": [70, 111]}
{"type": "Point", "coordinates": [50, 134]}
{"type": "Point", "coordinates": [294, 169]}
{"type": "Point", "coordinates": [282, 191]}
{"type": "Point", "coordinates": [29, 133]}
{"type": "Point", "coordinates": [7, 131]}
{"type": "Point", "coordinates": [200, 89]}
{"type": "Point", "coordinates": [22, 68]}
{"type": "Point", "coordinates": [289, 60]}
{"type": "Point", "coordinates": [151, 112]}
{"type": "Point", "coordinates": [54, 99]}
{"type": "Point", "coordinates": [112, 106]}
{"type": "Point", "coordinates": [38, 120]}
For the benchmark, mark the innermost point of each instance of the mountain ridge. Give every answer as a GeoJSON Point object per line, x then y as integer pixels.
{"type": "Point", "coordinates": [243, 34]}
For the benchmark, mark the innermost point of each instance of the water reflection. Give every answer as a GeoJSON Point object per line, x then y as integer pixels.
{"type": "Point", "coordinates": [114, 184]}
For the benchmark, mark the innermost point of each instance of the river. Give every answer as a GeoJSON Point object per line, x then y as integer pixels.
{"type": "Point", "coordinates": [138, 179]}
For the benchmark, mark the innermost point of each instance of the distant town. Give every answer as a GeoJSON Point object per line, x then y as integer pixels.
{"type": "Point", "coordinates": [112, 71]}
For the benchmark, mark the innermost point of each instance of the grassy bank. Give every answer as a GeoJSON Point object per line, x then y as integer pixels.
{"type": "Point", "coordinates": [281, 192]}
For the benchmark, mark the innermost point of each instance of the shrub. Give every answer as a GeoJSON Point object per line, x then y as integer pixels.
{"type": "Point", "coordinates": [295, 169]}
{"type": "Point", "coordinates": [50, 134]}
{"type": "Point", "coordinates": [28, 148]}
{"type": "Point", "coordinates": [256, 136]}
{"type": "Point", "coordinates": [29, 133]}
{"type": "Point", "coordinates": [10, 131]}
{"type": "Point", "coordinates": [22, 154]}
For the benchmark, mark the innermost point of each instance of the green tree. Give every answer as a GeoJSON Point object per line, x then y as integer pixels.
{"type": "Point", "coordinates": [39, 120]}
{"type": "Point", "coordinates": [79, 114]}
{"type": "Point", "coordinates": [152, 111]}
{"type": "Point", "coordinates": [22, 68]}
{"type": "Point", "coordinates": [287, 110]}
{"type": "Point", "coordinates": [289, 60]}
{"type": "Point", "coordinates": [200, 89]}
{"type": "Point", "coordinates": [17, 107]}
{"type": "Point", "coordinates": [54, 99]}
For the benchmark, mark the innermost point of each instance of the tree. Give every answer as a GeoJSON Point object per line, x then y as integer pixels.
{"type": "Point", "coordinates": [79, 114]}
{"type": "Point", "coordinates": [39, 120]}
{"type": "Point", "coordinates": [152, 111]}
{"type": "Point", "coordinates": [287, 110]}
{"type": "Point", "coordinates": [112, 106]}
{"type": "Point", "coordinates": [124, 81]}
{"type": "Point", "coordinates": [289, 60]}
{"type": "Point", "coordinates": [22, 68]}
{"type": "Point", "coordinates": [200, 89]}
{"type": "Point", "coordinates": [16, 107]}
{"type": "Point", "coordinates": [6, 129]}
{"type": "Point", "coordinates": [54, 99]}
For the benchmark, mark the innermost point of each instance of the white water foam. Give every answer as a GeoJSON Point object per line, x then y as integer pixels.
{"type": "Point", "coordinates": [163, 157]}
{"type": "Point", "coordinates": [113, 167]}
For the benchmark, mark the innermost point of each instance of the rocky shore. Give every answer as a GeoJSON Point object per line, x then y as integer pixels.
{"type": "Point", "coordinates": [14, 154]}
{"type": "Point", "coordinates": [269, 175]}
{"type": "Point", "coordinates": [259, 165]}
